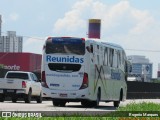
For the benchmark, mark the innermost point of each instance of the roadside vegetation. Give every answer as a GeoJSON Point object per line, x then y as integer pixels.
{"type": "Point", "coordinates": [149, 106]}
{"type": "Point", "coordinates": [156, 81]}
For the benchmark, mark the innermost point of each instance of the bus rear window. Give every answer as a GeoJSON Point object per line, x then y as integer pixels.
{"type": "Point", "coordinates": [66, 46]}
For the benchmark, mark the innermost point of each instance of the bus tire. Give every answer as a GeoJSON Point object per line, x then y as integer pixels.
{"type": "Point", "coordinates": [96, 103]}
{"type": "Point", "coordinates": [62, 104]}
{"type": "Point", "coordinates": [121, 95]}
{"type": "Point", "coordinates": [117, 103]}
{"type": "Point", "coordinates": [14, 100]}
{"type": "Point", "coordinates": [55, 103]}
{"type": "Point", "coordinates": [85, 103]}
{"type": "Point", "coordinates": [2, 98]}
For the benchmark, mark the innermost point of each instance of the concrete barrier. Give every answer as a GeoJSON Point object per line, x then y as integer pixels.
{"type": "Point", "coordinates": [143, 90]}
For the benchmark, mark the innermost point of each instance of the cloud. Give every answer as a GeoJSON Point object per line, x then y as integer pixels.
{"type": "Point", "coordinates": [72, 19]}
{"type": "Point", "coordinates": [144, 21]}
{"type": "Point", "coordinates": [112, 16]}
{"type": "Point", "coordinates": [122, 23]}
{"type": "Point", "coordinates": [14, 16]}
{"type": "Point", "coordinates": [35, 43]}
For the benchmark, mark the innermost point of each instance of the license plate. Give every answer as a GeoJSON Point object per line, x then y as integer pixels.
{"type": "Point", "coordinates": [63, 95]}
{"type": "Point", "coordinates": [10, 90]}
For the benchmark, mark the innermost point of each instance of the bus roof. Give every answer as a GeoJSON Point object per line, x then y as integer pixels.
{"type": "Point", "coordinates": [112, 45]}
{"type": "Point", "coordinates": [100, 41]}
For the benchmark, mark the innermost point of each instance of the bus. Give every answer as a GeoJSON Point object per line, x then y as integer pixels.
{"type": "Point", "coordinates": [83, 70]}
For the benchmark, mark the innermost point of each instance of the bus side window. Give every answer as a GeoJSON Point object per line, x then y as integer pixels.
{"type": "Point", "coordinates": [98, 62]}
{"type": "Point", "coordinates": [115, 59]}
{"type": "Point", "coordinates": [118, 59]}
{"type": "Point", "coordinates": [109, 58]}
{"type": "Point", "coordinates": [101, 55]}
{"type": "Point", "coordinates": [97, 47]}
{"type": "Point", "coordinates": [123, 59]}
{"type": "Point", "coordinates": [106, 56]}
{"type": "Point", "coordinates": [111, 53]}
{"type": "Point", "coordinates": [91, 48]}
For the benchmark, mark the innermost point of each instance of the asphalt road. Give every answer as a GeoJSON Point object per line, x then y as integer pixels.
{"type": "Point", "coordinates": [70, 107]}
{"type": "Point", "coordinates": [48, 106]}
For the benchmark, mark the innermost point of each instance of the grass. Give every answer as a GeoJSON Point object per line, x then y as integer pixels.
{"type": "Point", "coordinates": [120, 114]}
{"type": "Point", "coordinates": [137, 109]}
{"type": "Point", "coordinates": [149, 106]}
{"type": "Point", "coordinates": [81, 118]}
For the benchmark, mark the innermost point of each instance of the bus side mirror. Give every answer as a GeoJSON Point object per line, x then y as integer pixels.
{"type": "Point", "coordinates": [91, 47]}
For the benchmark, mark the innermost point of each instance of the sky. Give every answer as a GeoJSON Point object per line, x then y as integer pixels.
{"type": "Point", "coordinates": [133, 24]}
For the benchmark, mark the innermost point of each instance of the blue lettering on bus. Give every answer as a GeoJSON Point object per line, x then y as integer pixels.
{"type": "Point", "coordinates": [55, 85]}
{"type": "Point", "coordinates": [64, 59]}
{"type": "Point", "coordinates": [76, 86]}
{"type": "Point", "coordinates": [115, 75]}
{"type": "Point", "coordinates": [58, 75]}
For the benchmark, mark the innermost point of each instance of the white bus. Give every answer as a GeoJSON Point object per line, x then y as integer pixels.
{"type": "Point", "coordinates": [83, 70]}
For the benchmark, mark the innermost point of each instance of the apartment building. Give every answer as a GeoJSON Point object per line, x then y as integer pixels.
{"type": "Point", "coordinates": [11, 42]}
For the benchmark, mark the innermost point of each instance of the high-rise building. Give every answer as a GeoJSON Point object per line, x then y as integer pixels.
{"type": "Point", "coordinates": [158, 72]}
{"type": "Point", "coordinates": [11, 42]}
{"type": "Point", "coordinates": [141, 68]}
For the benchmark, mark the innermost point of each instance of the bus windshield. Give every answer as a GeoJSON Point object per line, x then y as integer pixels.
{"type": "Point", "coordinates": [65, 46]}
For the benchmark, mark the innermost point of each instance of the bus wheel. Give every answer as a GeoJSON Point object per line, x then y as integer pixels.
{"type": "Point", "coordinates": [88, 103]}
{"type": "Point", "coordinates": [55, 103]}
{"type": "Point", "coordinates": [96, 103]}
{"type": "Point", "coordinates": [85, 103]}
{"type": "Point", "coordinates": [14, 99]}
{"type": "Point", "coordinates": [2, 98]}
{"type": "Point", "coordinates": [62, 104]}
{"type": "Point", "coordinates": [98, 98]}
{"type": "Point", "coordinates": [116, 103]}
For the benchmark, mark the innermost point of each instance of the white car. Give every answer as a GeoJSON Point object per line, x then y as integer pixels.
{"type": "Point", "coordinates": [20, 84]}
